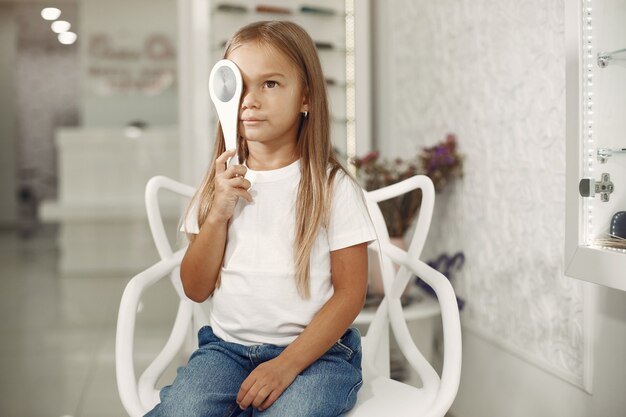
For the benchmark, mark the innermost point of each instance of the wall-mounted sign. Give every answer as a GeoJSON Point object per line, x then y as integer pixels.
{"type": "Point", "coordinates": [119, 68]}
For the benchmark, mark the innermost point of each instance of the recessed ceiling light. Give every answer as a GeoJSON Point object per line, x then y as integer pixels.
{"type": "Point", "coordinates": [60, 26]}
{"type": "Point", "coordinates": [67, 38]}
{"type": "Point", "coordinates": [50, 13]}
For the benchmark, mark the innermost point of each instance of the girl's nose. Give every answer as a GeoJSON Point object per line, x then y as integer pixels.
{"type": "Point", "coordinates": [249, 100]}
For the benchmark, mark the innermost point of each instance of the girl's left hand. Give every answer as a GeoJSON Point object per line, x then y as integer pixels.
{"type": "Point", "coordinates": [265, 384]}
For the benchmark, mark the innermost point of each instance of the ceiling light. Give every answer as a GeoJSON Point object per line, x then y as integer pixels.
{"type": "Point", "coordinates": [60, 26]}
{"type": "Point", "coordinates": [67, 38]}
{"type": "Point", "coordinates": [50, 13]}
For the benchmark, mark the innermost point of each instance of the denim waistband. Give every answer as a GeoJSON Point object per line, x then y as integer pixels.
{"type": "Point", "coordinates": [349, 344]}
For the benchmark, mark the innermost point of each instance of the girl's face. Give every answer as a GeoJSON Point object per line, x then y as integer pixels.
{"type": "Point", "coordinates": [272, 97]}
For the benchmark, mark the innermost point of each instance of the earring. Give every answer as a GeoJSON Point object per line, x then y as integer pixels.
{"type": "Point", "coordinates": [305, 114]}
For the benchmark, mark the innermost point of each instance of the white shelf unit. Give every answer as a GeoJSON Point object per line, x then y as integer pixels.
{"type": "Point", "coordinates": [325, 29]}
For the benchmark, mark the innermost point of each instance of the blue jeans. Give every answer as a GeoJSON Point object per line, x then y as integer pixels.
{"type": "Point", "coordinates": [208, 385]}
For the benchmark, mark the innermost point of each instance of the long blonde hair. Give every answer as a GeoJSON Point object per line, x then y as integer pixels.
{"type": "Point", "coordinates": [318, 162]}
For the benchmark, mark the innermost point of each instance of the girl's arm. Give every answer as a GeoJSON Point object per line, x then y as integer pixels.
{"type": "Point", "coordinates": [349, 277]}
{"type": "Point", "coordinates": [203, 259]}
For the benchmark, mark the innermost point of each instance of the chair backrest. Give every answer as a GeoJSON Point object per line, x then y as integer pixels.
{"type": "Point", "coordinates": [153, 187]}
{"type": "Point", "coordinates": [140, 396]}
{"type": "Point", "coordinates": [442, 389]}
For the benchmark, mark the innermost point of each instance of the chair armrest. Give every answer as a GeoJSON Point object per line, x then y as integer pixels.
{"type": "Point", "coordinates": [451, 373]}
{"type": "Point", "coordinates": [154, 185]}
{"type": "Point", "coordinates": [124, 339]}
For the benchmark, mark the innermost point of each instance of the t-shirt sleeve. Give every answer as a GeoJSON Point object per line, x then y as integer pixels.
{"type": "Point", "coordinates": [350, 222]}
{"type": "Point", "coordinates": [190, 223]}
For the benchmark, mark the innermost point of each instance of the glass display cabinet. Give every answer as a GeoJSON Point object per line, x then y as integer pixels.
{"type": "Point", "coordinates": [595, 234]}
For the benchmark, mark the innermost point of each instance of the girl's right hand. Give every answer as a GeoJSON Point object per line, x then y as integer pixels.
{"type": "Point", "coordinates": [230, 184]}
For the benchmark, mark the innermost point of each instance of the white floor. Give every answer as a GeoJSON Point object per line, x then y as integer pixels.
{"type": "Point", "coordinates": [57, 333]}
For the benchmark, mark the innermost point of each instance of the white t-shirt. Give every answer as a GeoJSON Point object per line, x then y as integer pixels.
{"type": "Point", "coordinates": [258, 301]}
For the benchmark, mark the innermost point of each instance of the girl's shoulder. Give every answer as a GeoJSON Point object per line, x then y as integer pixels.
{"type": "Point", "coordinates": [342, 184]}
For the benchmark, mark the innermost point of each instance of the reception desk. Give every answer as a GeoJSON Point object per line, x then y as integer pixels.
{"type": "Point", "coordinates": [100, 207]}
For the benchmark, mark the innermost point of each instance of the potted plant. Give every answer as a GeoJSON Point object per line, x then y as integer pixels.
{"type": "Point", "coordinates": [441, 162]}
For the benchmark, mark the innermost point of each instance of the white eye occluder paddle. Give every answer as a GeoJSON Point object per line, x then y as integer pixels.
{"type": "Point", "coordinates": [225, 87]}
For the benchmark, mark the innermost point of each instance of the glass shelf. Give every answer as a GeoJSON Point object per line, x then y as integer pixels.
{"type": "Point", "coordinates": [322, 47]}
{"type": "Point", "coordinates": [280, 12]}
{"type": "Point", "coordinates": [605, 58]}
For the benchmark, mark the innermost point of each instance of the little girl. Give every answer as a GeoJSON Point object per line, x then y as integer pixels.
{"type": "Point", "coordinates": [284, 258]}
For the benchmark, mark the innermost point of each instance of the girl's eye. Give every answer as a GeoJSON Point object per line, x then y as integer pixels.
{"type": "Point", "coordinates": [271, 84]}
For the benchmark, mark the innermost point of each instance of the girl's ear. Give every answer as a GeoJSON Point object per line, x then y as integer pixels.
{"type": "Point", "coordinates": [305, 101]}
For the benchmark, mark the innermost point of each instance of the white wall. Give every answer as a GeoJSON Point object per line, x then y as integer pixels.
{"type": "Point", "coordinates": [497, 383]}
{"type": "Point", "coordinates": [8, 169]}
{"type": "Point", "coordinates": [494, 74]}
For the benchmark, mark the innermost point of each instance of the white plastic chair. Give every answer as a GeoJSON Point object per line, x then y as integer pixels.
{"type": "Point", "coordinates": [380, 395]}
